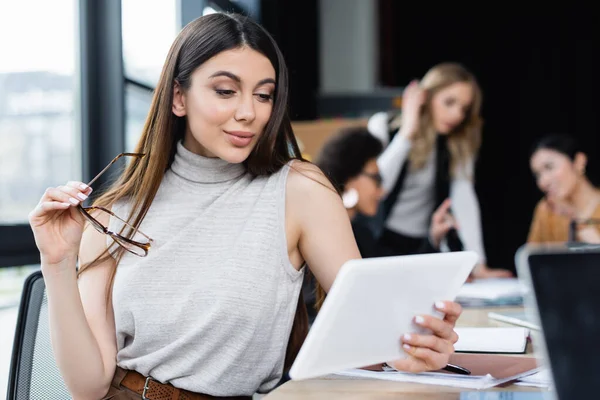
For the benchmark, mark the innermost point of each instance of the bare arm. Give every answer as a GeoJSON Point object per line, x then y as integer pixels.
{"type": "Point", "coordinates": [317, 219]}
{"type": "Point", "coordinates": [320, 224]}
{"type": "Point", "coordinates": [81, 327]}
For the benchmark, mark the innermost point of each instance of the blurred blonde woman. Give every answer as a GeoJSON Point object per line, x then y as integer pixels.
{"type": "Point", "coordinates": [430, 151]}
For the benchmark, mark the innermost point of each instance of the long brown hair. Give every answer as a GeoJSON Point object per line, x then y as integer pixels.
{"type": "Point", "coordinates": [465, 140]}
{"type": "Point", "coordinates": [199, 41]}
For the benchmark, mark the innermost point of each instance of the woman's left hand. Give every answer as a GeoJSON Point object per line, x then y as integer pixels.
{"type": "Point", "coordinates": [588, 234]}
{"type": "Point", "coordinates": [430, 352]}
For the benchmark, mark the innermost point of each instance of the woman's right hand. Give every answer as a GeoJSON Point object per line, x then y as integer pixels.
{"type": "Point", "coordinates": [412, 100]}
{"type": "Point", "coordinates": [57, 224]}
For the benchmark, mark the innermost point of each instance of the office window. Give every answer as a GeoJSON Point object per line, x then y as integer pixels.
{"type": "Point", "coordinates": [149, 28]}
{"type": "Point", "coordinates": [38, 127]}
{"type": "Point", "coordinates": [137, 104]}
{"type": "Point", "coordinates": [39, 135]}
{"type": "Point", "coordinates": [210, 9]}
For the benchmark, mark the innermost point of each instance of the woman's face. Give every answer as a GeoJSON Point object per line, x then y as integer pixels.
{"type": "Point", "coordinates": [449, 106]}
{"type": "Point", "coordinates": [368, 186]}
{"type": "Point", "coordinates": [228, 104]}
{"type": "Point", "coordinates": [556, 174]}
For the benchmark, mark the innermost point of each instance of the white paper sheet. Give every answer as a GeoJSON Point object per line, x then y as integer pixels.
{"type": "Point", "coordinates": [435, 378]}
{"type": "Point", "coordinates": [491, 340]}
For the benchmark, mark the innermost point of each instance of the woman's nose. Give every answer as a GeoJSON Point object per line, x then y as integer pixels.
{"type": "Point", "coordinates": [245, 111]}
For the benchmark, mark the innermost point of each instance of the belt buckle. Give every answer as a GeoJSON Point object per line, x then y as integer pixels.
{"type": "Point", "coordinates": [147, 387]}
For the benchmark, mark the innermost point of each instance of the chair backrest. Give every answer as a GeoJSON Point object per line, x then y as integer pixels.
{"type": "Point", "coordinates": [33, 371]}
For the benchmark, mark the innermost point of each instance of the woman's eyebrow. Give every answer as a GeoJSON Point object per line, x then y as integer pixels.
{"type": "Point", "coordinates": [238, 79]}
{"type": "Point", "coordinates": [227, 74]}
{"type": "Point", "coordinates": [265, 81]}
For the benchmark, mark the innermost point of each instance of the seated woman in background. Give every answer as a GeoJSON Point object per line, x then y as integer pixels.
{"type": "Point", "coordinates": [558, 164]}
{"type": "Point", "coordinates": [349, 159]}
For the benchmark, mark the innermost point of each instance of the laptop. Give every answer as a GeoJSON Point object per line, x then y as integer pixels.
{"type": "Point", "coordinates": [564, 300]}
{"type": "Point", "coordinates": [372, 303]}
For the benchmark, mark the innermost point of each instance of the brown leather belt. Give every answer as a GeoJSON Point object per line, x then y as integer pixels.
{"type": "Point", "coordinates": [150, 389]}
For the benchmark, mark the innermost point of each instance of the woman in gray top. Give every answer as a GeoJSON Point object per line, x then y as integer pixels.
{"type": "Point", "coordinates": [221, 217]}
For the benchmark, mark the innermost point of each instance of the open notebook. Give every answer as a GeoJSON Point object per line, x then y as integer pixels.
{"type": "Point", "coordinates": [491, 340]}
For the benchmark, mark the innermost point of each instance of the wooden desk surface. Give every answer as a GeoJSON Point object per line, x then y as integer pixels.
{"type": "Point", "coordinates": [352, 389]}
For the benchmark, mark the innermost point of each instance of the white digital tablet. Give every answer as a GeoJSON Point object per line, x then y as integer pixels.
{"type": "Point", "coordinates": [372, 303]}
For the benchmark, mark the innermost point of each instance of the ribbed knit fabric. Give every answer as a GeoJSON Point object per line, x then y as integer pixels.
{"type": "Point", "coordinates": [210, 308]}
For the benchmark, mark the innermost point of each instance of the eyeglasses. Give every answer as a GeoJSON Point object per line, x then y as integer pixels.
{"type": "Point", "coordinates": [376, 177]}
{"type": "Point", "coordinates": [139, 244]}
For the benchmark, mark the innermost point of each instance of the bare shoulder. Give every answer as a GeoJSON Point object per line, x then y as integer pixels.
{"type": "Point", "coordinates": [318, 226]}
{"type": "Point", "coordinates": [306, 178]}
{"type": "Point", "coordinates": [309, 192]}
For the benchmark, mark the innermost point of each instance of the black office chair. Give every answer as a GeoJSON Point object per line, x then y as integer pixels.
{"type": "Point", "coordinates": [33, 371]}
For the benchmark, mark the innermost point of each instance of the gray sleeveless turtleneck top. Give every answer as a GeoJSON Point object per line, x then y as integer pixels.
{"type": "Point", "coordinates": [210, 309]}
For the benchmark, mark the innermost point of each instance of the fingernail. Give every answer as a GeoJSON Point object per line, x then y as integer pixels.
{"type": "Point", "coordinates": [83, 186]}
{"type": "Point", "coordinates": [419, 319]}
{"type": "Point", "coordinates": [82, 196]}
{"type": "Point", "coordinates": [73, 201]}
{"type": "Point", "coordinates": [440, 305]}
{"type": "Point", "coordinates": [406, 347]}
{"type": "Point", "coordinates": [406, 336]}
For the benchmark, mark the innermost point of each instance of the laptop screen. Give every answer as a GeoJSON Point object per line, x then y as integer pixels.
{"type": "Point", "coordinates": [567, 291]}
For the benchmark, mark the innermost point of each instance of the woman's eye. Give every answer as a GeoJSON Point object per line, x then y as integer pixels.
{"type": "Point", "coordinates": [265, 97]}
{"type": "Point", "coordinates": [449, 102]}
{"type": "Point", "coordinates": [225, 93]}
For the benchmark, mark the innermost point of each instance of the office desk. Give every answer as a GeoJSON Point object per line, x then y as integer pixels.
{"type": "Point", "coordinates": [351, 388]}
